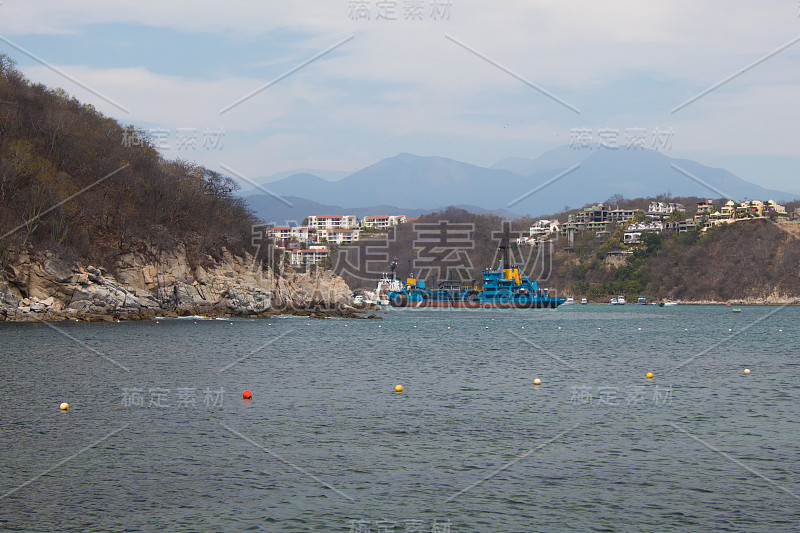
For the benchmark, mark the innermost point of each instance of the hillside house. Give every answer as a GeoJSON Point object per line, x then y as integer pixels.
{"type": "Point", "coordinates": [311, 256]}
{"type": "Point", "coordinates": [634, 232]}
{"type": "Point", "coordinates": [338, 236]}
{"type": "Point", "coordinates": [287, 233]}
{"type": "Point", "coordinates": [382, 221]}
{"type": "Point", "coordinates": [316, 222]}
{"type": "Point", "coordinates": [663, 209]}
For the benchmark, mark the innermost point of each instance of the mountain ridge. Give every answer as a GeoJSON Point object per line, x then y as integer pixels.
{"type": "Point", "coordinates": [560, 177]}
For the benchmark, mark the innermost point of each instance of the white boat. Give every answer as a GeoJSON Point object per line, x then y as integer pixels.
{"type": "Point", "coordinates": [670, 304]}
{"type": "Point", "coordinates": [620, 300]}
{"type": "Point", "coordinates": [570, 300]}
{"type": "Point", "coordinates": [613, 301]}
{"type": "Point", "coordinates": [388, 282]}
{"type": "Point", "coordinates": [584, 301]}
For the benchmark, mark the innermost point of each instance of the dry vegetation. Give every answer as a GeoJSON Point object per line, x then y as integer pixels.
{"type": "Point", "coordinates": [69, 183]}
{"type": "Point", "coordinates": [749, 259]}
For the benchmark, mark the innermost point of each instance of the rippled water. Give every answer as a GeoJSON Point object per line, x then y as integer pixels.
{"type": "Point", "coordinates": [470, 445]}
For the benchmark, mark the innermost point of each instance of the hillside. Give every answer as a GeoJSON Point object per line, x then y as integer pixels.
{"type": "Point", "coordinates": [78, 183]}
{"type": "Point", "coordinates": [755, 261]}
{"type": "Point", "coordinates": [96, 225]}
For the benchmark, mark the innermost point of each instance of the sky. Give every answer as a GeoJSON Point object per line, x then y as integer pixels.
{"type": "Point", "coordinates": [258, 88]}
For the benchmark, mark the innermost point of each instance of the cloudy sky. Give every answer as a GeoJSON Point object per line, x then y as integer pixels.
{"type": "Point", "coordinates": [265, 87]}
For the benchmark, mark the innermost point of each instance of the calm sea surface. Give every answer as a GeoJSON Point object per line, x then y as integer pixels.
{"type": "Point", "coordinates": [158, 437]}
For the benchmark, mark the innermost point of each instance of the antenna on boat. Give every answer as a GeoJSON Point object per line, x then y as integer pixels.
{"type": "Point", "coordinates": [504, 247]}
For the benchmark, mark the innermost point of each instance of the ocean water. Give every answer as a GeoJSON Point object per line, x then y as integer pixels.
{"type": "Point", "coordinates": [158, 437]}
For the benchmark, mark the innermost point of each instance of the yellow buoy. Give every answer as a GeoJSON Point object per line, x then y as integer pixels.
{"type": "Point", "coordinates": [684, 329]}
{"type": "Point", "coordinates": [398, 388]}
{"type": "Point", "coordinates": [308, 324]}
{"type": "Point", "coordinates": [746, 370]}
{"type": "Point", "coordinates": [780, 331]}
{"type": "Point", "coordinates": [415, 327]}
{"type": "Point", "coordinates": [729, 329]}
{"type": "Point", "coordinates": [64, 406]}
{"type": "Point", "coordinates": [649, 375]}
{"type": "Point", "coordinates": [537, 381]}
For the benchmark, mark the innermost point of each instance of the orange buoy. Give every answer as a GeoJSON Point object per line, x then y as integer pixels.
{"type": "Point", "coordinates": [247, 395]}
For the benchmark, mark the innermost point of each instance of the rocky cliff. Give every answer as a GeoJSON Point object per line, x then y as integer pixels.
{"type": "Point", "coordinates": [44, 286]}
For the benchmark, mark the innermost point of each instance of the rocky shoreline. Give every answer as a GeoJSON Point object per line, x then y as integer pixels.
{"type": "Point", "coordinates": [43, 286]}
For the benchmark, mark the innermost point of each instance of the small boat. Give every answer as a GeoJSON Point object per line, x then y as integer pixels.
{"type": "Point", "coordinates": [570, 300]}
{"type": "Point", "coordinates": [670, 304]}
{"type": "Point", "coordinates": [584, 301]}
{"type": "Point", "coordinates": [641, 300]}
{"type": "Point", "coordinates": [613, 301]}
{"type": "Point", "coordinates": [736, 310]}
{"type": "Point", "coordinates": [620, 300]}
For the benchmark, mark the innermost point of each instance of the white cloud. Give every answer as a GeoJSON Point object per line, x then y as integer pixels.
{"type": "Point", "coordinates": [400, 79]}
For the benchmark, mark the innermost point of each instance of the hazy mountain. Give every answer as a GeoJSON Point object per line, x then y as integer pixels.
{"type": "Point", "coordinates": [558, 158]}
{"type": "Point", "coordinates": [406, 179]}
{"type": "Point", "coordinates": [325, 175]}
{"type": "Point", "coordinates": [291, 210]}
{"type": "Point", "coordinates": [428, 183]}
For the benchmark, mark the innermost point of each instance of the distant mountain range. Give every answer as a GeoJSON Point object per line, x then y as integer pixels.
{"type": "Point", "coordinates": [413, 185]}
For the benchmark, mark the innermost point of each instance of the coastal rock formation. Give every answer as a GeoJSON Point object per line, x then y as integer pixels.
{"type": "Point", "coordinates": [44, 286]}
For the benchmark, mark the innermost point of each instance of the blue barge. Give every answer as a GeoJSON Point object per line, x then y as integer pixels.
{"type": "Point", "coordinates": [506, 287]}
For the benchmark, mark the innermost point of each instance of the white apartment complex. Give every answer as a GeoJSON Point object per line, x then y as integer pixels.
{"type": "Point", "coordinates": [634, 232]}
{"type": "Point", "coordinates": [382, 221]}
{"type": "Point", "coordinates": [317, 222]}
{"type": "Point", "coordinates": [312, 256]}
{"type": "Point", "coordinates": [286, 233]}
{"type": "Point", "coordinates": [338, 236]}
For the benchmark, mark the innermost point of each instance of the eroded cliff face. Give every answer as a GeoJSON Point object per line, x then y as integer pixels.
{"type": "Point", "coordinates": [43, 286]}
